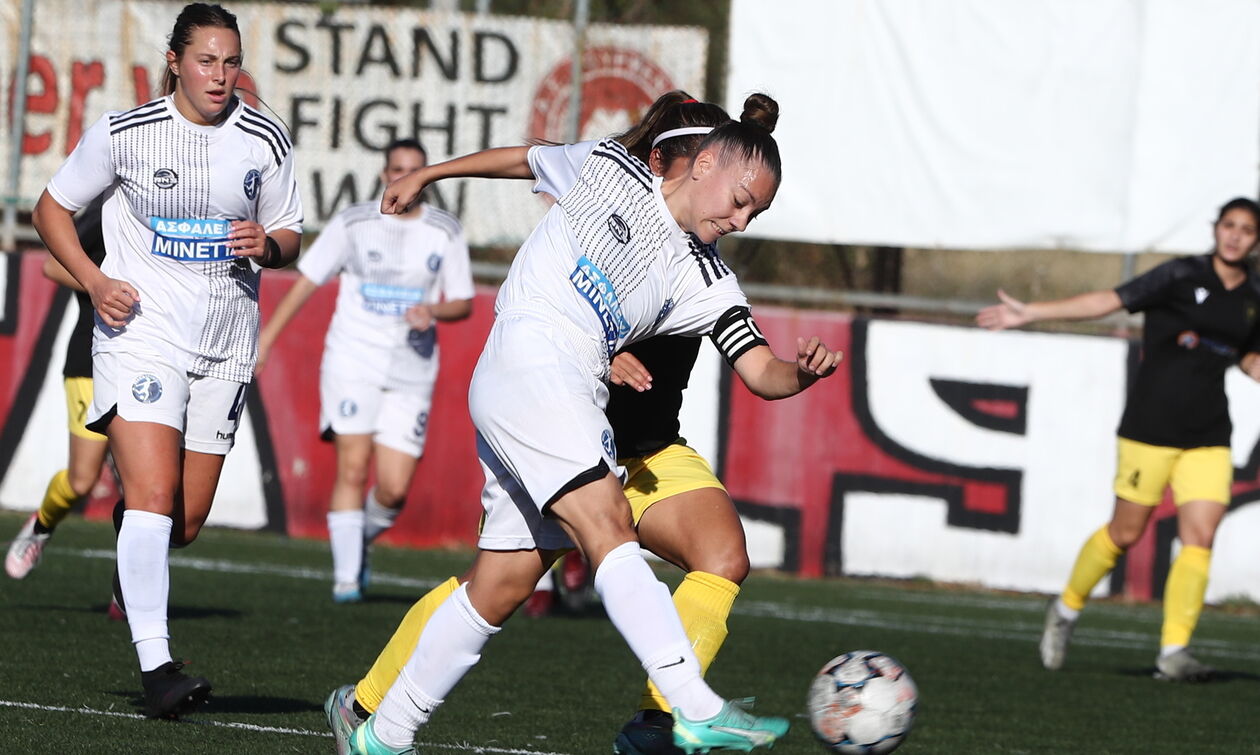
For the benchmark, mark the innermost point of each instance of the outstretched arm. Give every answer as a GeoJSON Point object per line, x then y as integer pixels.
{"type": "Point", "coordinates": [294, 298]}
{"type": "Point", "coordinates": [500, 162]}
{"type": "Point", "coordinates": [1013, 313]}
{"type": "Point", "coordinates": [772, 378]}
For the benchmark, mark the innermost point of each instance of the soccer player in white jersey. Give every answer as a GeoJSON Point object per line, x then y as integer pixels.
{"type": "Point", "coordinates": [205, 194]}
{"type": "Point", "coordinates": [400, 275]}
{"type": "Point", "coordinates": [619, 258]}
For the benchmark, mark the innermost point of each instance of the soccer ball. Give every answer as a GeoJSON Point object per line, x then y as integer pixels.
{"type": "Point", "coordinates": [862, 702]}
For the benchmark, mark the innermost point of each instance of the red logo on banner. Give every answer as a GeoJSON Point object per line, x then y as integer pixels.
{"type": "Point", "coordinates": [617, 86]}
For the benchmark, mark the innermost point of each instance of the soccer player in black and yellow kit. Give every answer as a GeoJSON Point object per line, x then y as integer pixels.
{"type": "Point", "coordinates": [1201, 319]}
{"type": "Point", "coordinates": [87, 448]}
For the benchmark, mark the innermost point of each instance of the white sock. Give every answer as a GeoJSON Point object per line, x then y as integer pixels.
{"type": "Point", "coordinates": [449, 646]}
{"type": "Point", "coordinates": [1061, 608]}
{"type": "Point", "coordinates": [547, 582]}
{"type": "Point", "coordinates": [641, 609]}
{"type": "Point", "coordinates": [376, 518]}
{"type": "Point", "coordinates": [1168, 650]}
{"type": "Point", "coordinates": [144, 577]}
{"type": "Point", "coordinates": [345, 535]}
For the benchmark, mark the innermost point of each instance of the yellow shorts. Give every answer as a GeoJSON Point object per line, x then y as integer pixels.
{"type": "Point", "coordinates": [78, 401]}
{"type": "Point", "coordinates": [1196, 474]}
{"type": "Point", "coordinates": [668, 472]}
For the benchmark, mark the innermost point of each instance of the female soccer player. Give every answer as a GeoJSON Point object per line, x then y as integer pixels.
{"type": "Point", "coordinates": [580, 284]}
{"type": "Point", "coordinates": [399, 276]}
{"type": "Point", "coordinates": [1201, 319]}
{"type": "Point", "coordinates": [205, 194]}
{"type": "Point", "coordinates": [87, 448]}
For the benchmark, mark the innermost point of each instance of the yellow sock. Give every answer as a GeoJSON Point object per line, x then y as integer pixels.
{"type": "Point", "coordinates": [1097, 558]}
{"type": "Point", "coordinates": [58, 498]}
{"type": "Point", "coordinates": [1183, 594]}
{"type": "Point", "coordinates": [372, 688]}
{"type": "Point", "coordinates": [703, 601]}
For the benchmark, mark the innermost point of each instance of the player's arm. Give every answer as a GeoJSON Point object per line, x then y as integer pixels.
{"type": "Point", "coordinates": [54, 272]}
{"type": "Point", "coordinates": [500, 162]}
{"type": "Point", "coordinates": [626, 369]}
{"type": "Point", "coordinates": [422, 316]}
{"type": "Point", "coordinates": [1250, 364]}
{"type": "Point", "coordinates": [1013, 313]}
{"type": "Point", "coordinates": [772, 378]}
{"type": "Point", "coordinates": [112, 299]}
{"type": "Point", "coordinates": [297, 295]}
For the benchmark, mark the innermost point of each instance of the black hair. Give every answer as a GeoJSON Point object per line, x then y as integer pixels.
{"type": "Point", "coordinates": [194, 16]}
{"type": "Point", "coordinates": [750, 138]}
{"type": "Point", "coordinates": [672, 110]}
{"type": "Point", "coordinates": [1240, 203]}
{"type": "Point", "coordinates": [406, 144]}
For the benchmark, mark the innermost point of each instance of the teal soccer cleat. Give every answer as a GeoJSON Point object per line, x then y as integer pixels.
{"type": "Point", "coordinates": [339, 707]}
{"type": "Point", "coordinates": [733, 728]}
{"type": "Point", "coordinates": [364, 742]}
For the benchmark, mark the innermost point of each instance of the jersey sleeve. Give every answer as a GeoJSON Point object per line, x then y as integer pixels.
{"type": "Point", "coordinates": [1152, 287]}
{"type": "Point", "coordinates": [279, 203]}
{"type": "Point", "coordinates": [88, 171]}
{"type": "Point", "coordinates": [697, 312]}
{"type": "Point", "coordinates": [456, 274]}
{"type": "Point", "coordinates": [327, 256]}
{"type": "Point", "coordinates": [556, 168]}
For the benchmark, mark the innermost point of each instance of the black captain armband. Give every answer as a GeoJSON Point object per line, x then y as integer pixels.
{"type": "Point", "coordinates": [735, 333]}
{"type": "Point", "coordinates": [272, 258]}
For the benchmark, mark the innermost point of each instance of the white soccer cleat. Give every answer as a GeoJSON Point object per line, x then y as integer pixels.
{"type": "Point", "coordinates": [1055, 637]}
{"type": "Point", "coordinates": [1182, 667]}
{"type": "Point", "coordinates": [26, 550]}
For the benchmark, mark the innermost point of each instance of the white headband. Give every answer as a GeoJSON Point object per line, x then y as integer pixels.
{"type": "Point", "coordinates": [687, 131]}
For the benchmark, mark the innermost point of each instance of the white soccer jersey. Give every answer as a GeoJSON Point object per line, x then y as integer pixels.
{"type": "Point", "coordinates": [387, 264]}
{"type": "Point", "coordinates": [609, 257]}
{"type": "Point", "coordinates": [179, 185]}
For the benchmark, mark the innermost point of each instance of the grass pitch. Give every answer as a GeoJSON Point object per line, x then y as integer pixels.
{"type": "Point", "coordinates": [252, 613]}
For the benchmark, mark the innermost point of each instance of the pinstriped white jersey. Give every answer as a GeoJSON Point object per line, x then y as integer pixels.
{"type": "Point", "coordinates": [178, 185]}
{"type": "Point", "coordinates": [387, 264]}
{"type": "Point", "coordinates": [610, 258]}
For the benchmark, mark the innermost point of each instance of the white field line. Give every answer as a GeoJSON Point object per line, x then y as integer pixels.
{"type": "Point", "coordinates": [994, 629]}
{"type": "Point", "coordinates": [265, 729]}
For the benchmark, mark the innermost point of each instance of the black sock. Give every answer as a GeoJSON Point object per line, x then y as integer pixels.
{"type": "Point", "coordinates": [359, 710]}
{"type": "Point", "coordinates": [40, 529]}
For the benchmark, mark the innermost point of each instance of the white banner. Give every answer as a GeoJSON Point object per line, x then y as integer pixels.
{"type": "Point", "coordinates": [1107, 125]}
{"type": "Point", "coordinates": [348, 83]}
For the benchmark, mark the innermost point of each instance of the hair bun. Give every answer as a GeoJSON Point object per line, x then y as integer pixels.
{"type": "Point", "coordinates": [760, 110]}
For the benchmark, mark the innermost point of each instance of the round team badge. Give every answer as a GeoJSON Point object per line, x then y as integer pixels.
{"type": "Point", "coordinates": [435, 262]}
{"type": "Point", "coordinates": [146, 388]}
{"type": "Point", "coordinates": [610, 447]}
{"type": "Point", "coordinates": [165, 178]}
{"type": "Point", "coordinates": [253, 181]}
{"type": "Point", "coordinates": [617, 86]}
{"type": "Point", "coordinates": [348, 408]}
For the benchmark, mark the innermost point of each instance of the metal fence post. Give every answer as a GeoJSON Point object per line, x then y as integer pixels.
{"type": "Point", "coordinates": [17, 128]}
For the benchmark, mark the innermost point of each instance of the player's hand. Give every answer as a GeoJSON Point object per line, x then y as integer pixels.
{"type": "Point", "coordinates": [247, 239]}
{"type": "Point", "coordinates": [264, 351]}
{"type": "Point", "coordinates": [1011, 313]}
{"type": "Point", "coordinates": [814, 358]}
{"type": "Point", "coordinates": [419, 316]}
{"type": "Point", "coordinates": [402, 193]}
{"type": "Point", "coordinates": [113, 301]}
{"type": "Point", "coordinates": [628, 370]}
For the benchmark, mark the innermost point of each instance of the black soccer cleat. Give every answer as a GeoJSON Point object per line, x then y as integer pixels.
{"type": "Point", "coordinates": [168, 693]}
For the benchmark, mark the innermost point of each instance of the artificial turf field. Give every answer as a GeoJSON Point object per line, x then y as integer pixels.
{"type": "Point", "coordinates": [252, 613]}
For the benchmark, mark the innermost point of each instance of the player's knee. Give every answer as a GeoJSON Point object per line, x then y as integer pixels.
{"type": "Point", "coordinates": [730, 564]}
{"type": "Point", "coordinates": [1125, 535]}
{"type": "Point", "coordinates": [352, 474]}
{"type": "Point", "coordinates": [390, 495]}
{"type": "Point", "coordinates": [82, 483]}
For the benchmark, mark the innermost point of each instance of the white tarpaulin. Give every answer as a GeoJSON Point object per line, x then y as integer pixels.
{"type": "Point", "coordinates": [347, 83]}
{"type": "Point", "coordinates": [1108, 125]}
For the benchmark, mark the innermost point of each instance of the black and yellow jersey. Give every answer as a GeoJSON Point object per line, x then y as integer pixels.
{"type": "Point", "coordinates": [646, 422]}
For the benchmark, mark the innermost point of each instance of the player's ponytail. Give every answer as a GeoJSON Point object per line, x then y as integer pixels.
{"type": "Point", "coordinates": [672, 111]}
{"type": "Point", "coordinates": [760, 110]}
{"type": "Point", "coordinates": [194, 16]}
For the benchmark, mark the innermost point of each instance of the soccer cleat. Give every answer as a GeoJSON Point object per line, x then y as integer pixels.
{"type": "Point", "coordinates": [347, 592]}
{"type": "Point", "coordinates": [1182, 667]}
{"type": "Point", "coordinates": [339, 707]}
{"type": "Point", "coordinates": [168, 693]}
{"type": "Point", "coordinates": [650, 732]}
{"type": "Point", "coordinates": [733, 728]}
{"type": "Point", "coordinates": [364, 742]}
{"type": "Point", "coordinates": [1055, 637]}
{"type": "Point", "coordinates": [26, 550]}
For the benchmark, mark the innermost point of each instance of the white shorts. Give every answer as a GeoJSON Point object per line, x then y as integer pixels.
{"type": "Point", "coordinates": [148, 389]}
{"type": "Point", "coordinates": [396, 418]}
{"type": "Point", "coordinates": [538, 407]}
{"type": "Point", "coordinates": [512, 522]}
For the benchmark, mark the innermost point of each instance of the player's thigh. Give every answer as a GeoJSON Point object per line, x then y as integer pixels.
{"type": "Point", "coordinates": [1203, 474]}
{"type": "Point", "coordinates": [401, 429]}
{"type": "Point", "coordinates": [596, 515]}
{"type": "Point", "coordinates": [1143, 471]}
{"type": "Point", "coordinates": [215, 408]}
{"type": "Point", "coordinates": [698, 530]}
{"type": "Point", "coordinates": [354, 458]}
{"type": "Point", "coordinates": [147, 456]}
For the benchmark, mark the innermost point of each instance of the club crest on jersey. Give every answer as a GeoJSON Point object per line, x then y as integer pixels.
{"type": "Point", "coordinates": [434, 262]}
{"type": "Point", "coordinates": [253, 182]}
{"type": "Point", "coordinates": [348, 408]}
{"type": "Point", "coordinates": [610, 447]}
{"type": "Point", "coordinates": [1200, 295]}
{"type": "Point", "coordinates": [146, 388]}
{"type": "Point", "coordinates": [165, 178]}
{"type": "Point", "coordinates": [191, 239]}
{"type": "Point", "coordinates": [620, 230]}
{"type": "Point", "coordinates": [373, 256]}
{"type": "Point", "coordinates": [593, 286]}
{"type": "Point", "coordinates": [666, 308]}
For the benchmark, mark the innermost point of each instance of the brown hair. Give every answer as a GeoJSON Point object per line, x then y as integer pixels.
{"type": "Point", "coordinates": [194, 16]}
{"type": "Point", "coordinates": [750, 138]}
{"type": "Point", "coordinates": [672, 110]}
